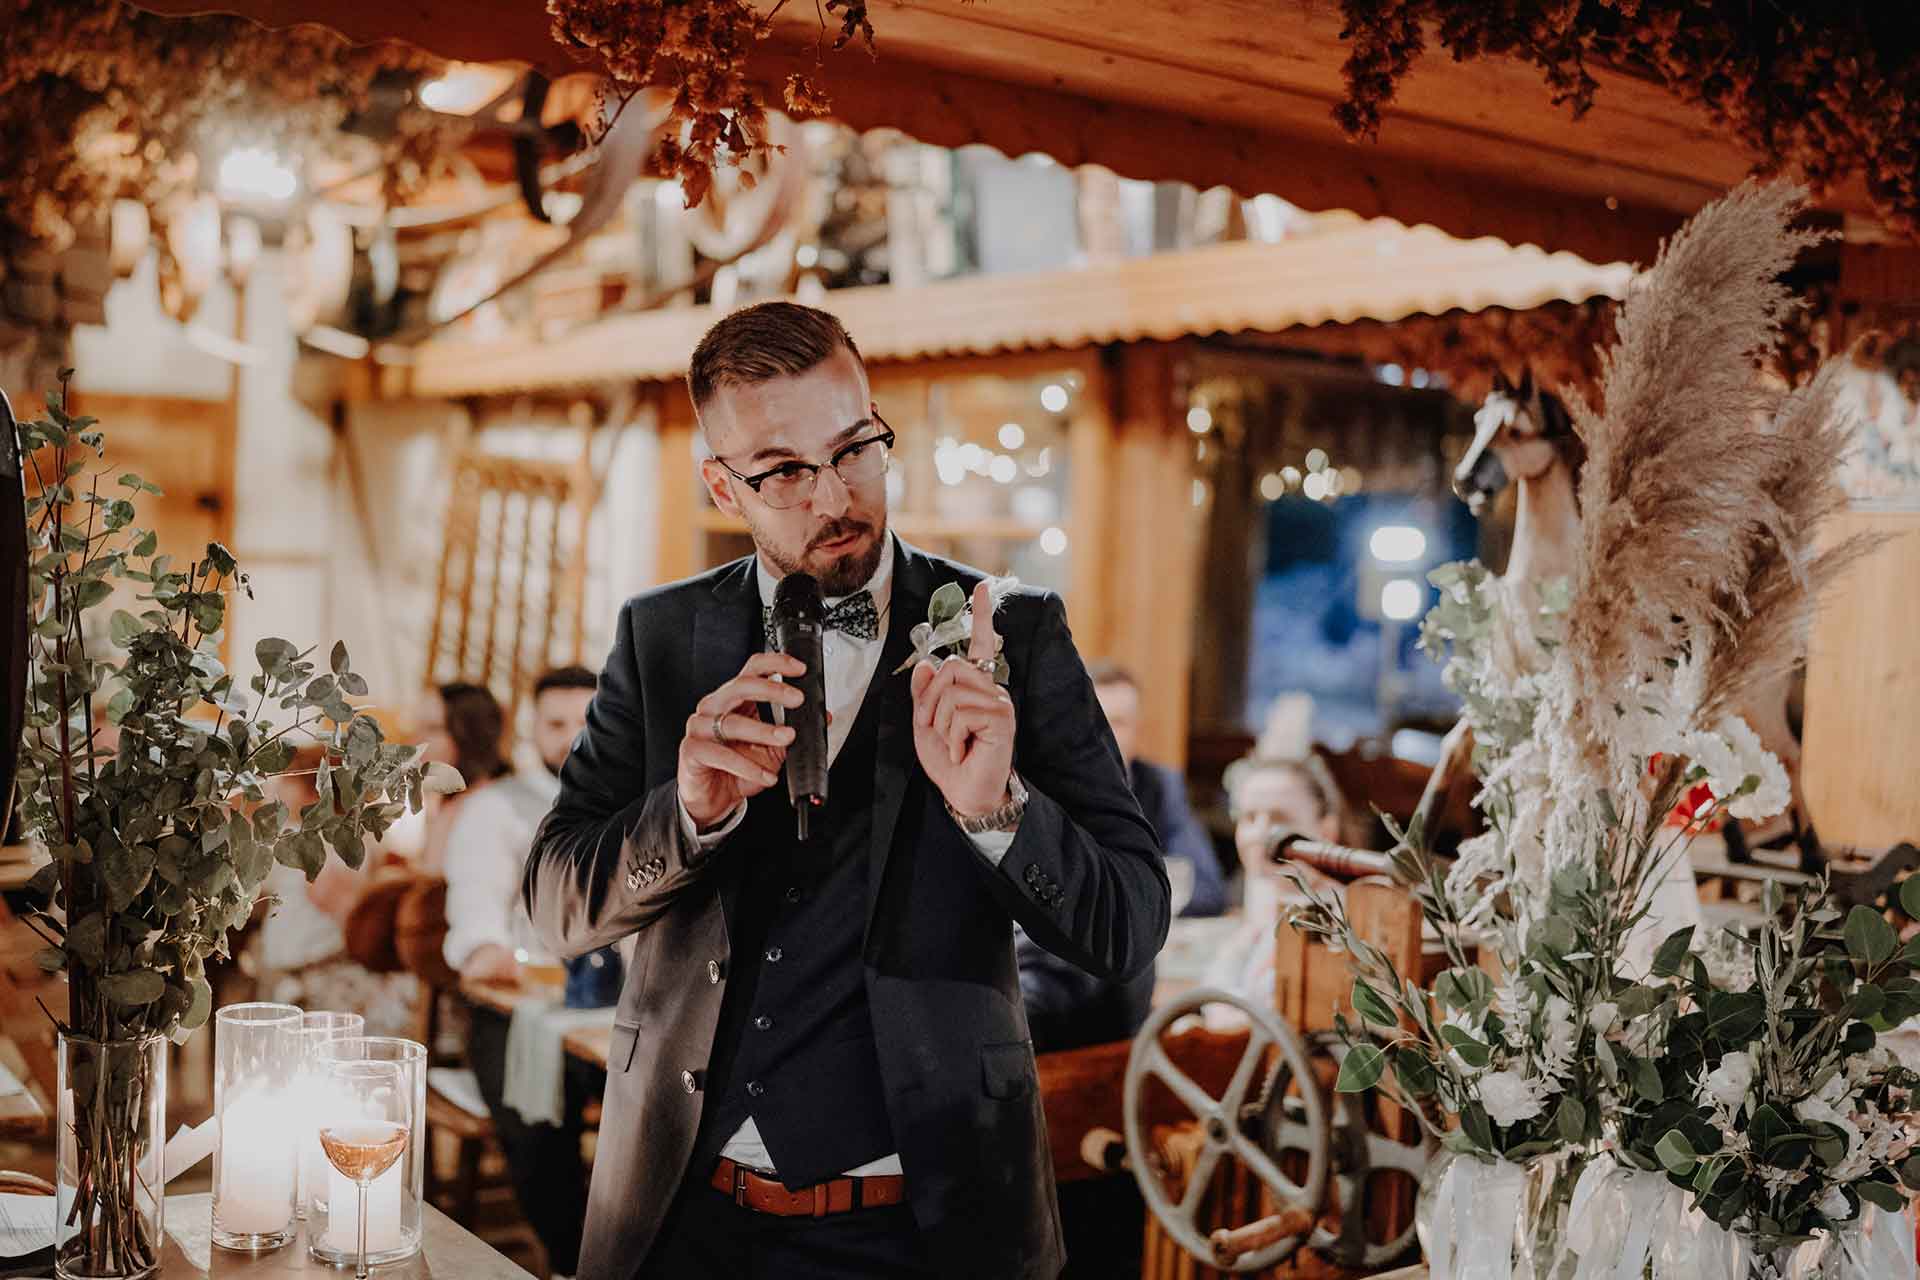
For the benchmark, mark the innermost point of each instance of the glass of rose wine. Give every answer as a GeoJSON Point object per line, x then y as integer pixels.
{"type": "Point", "coordinates": [369, 1115]}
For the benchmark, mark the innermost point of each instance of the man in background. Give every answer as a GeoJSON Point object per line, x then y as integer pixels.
{"type": "Point", "coordinates": [1162, 794]}
{"type": "Point", "coordinates": [488, 933]}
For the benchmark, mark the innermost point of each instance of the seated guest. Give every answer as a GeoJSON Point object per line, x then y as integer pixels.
{"type": "Point", "coordinates": [1270, 796]}
{"type": "Point", "coordinates": [1162, 794]}
{"type": "Point", "coordinates": [488, 932]}
{"type": "Point", "coordinates": [461, 725]}
{"type": "Point", "coordinates": [486, 847]}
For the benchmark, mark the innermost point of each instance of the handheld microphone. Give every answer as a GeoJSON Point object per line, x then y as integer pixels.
{"type": "Point", "coordinates": [799, 618]}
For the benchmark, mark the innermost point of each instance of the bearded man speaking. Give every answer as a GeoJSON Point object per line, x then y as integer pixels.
{"type": "Point", "coordinates": [820, 1065]}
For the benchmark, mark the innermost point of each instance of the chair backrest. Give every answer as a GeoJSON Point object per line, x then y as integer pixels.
{"type": "Point", "coordinates": [420, 932]}
{"type": "Point", "coordinates": [1311, 982]}
{"type": "Point", "coordinates": [370, 925]}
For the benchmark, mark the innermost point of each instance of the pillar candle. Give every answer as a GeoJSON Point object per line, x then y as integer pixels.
{"type": "Point", "coordinates": [257, 1166]}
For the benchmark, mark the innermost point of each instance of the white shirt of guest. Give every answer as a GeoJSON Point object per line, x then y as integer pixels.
{"type": "Point", "coordinates": [851, 668]}
{"type": "Point", "coordinates": [486, 859]}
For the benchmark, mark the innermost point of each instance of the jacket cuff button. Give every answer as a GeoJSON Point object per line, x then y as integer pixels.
{"type": "Point", "coordinates": [689, 1081]}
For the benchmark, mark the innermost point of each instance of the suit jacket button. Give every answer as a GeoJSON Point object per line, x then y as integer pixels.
{"type": "Point", "coordinates": [689, 1082]}
{"type": "Point", "coordinates": [713, 972]}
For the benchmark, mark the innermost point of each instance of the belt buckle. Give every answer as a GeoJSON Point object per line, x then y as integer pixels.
{"type": "Point", "coordinates": [740, 1185]}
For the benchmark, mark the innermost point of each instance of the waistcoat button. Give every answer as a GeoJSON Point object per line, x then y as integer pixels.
{"type": "Point", "coordinates": [688, 1082]}
{"type": "Point", "coordinates": [755, 1088]}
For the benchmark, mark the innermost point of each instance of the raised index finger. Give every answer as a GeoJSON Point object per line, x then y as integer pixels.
{"type": "Point", "coordinates": [986, 642]}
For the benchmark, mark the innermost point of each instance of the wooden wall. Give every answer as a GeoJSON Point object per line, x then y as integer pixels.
{"type": "Point", "coordinates": [1862, 732]}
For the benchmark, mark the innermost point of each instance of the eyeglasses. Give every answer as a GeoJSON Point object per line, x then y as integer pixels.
{"type": "Point", "coordinates": [792, 483]}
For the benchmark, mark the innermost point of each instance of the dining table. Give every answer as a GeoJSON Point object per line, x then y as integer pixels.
{"type": "Point", "coordinates": [447, 1251]}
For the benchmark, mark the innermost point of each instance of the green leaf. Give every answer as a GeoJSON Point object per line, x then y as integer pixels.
{"type": "Point", "coordinates": [1884, 1194]}
{"type": "Point", "coordinates": [1910, 896]}
{"type": "Point", "coordinates": [1414, 1070]}
{"type": "Point", "coordinates": [1471, 1051]}
{"type": "Point", "coordinates": [87, 940]}
{"type": "Point", "coordinates": [1675, 1152]}
{"type": "Point", "coordinates": [1371, 1006]}
{"type": "Point", "coordinates": [1571, 1118]}
{"type": "Point", "coordinates": [1362, 1067]}
{"type": "Point", "coordinates": [1667, 960]}
{"type": "Point", "coordinates": [91, 593]}
{"type": "Point", "coordinates": [202, 1006]}
{"type": "Point", "coordinates": [1646, 1080]}
{"type": "Point", "coordinates": [272, 652]}
{"type": "Point", "coordinates": [148, 543]}
{"type": "Point", "coordinates": [337, 660]}
{"type": "Point", "coordinates": [125, 870]}
{"type": "Point", "coordinates": [45, 880]}
{"type": "Point", "coordinates": [1870, 939]}
{"type": "Point", "coordinates": [136, 987]}
{"type": "Point", "coordinates": [50, 959]}
{"type": "Point", "coordinates": [947, 603]}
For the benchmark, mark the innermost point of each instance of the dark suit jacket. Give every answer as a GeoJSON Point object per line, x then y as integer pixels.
{"type": "Point", "coordinates": [1162, 794]}
{"type": "Point", "coordinates": [1083, 876]}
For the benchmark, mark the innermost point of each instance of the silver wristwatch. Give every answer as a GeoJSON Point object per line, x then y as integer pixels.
{"type": "Point", "coordinates": [1005, 818]}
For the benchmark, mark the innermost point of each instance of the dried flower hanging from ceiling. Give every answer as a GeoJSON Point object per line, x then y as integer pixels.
{"type": "Point", "coordinates": [697, 50]}
{"type": "Point", "coordinates": [99, 102]}
{"type": "Point", "coordinates": [1832, 89]}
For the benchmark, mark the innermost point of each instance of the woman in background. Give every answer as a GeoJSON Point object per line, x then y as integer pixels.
{"type": "Point", "coordinates": [1269, 797]}
{"type": "Point", "coordinates": [462, 725]}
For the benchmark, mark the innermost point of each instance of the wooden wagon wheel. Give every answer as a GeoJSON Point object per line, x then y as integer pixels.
{"type": "Point", "coordinates": [1221, 1122]}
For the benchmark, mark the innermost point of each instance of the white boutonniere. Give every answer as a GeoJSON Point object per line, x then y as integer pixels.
{"type": "Point", "coordinates": [949, 627]}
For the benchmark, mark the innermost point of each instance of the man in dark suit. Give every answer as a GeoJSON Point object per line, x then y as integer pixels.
{"type": "Point", "coordinates": [820, 1065]}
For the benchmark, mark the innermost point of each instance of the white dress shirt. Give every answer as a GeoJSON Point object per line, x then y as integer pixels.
{"type": "Point", "coordinates": [486, 859]}
{"type": "Point", "coordinates": [851, 668]}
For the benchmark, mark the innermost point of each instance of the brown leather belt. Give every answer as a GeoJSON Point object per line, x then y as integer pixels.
{"type": "Point", "coordinates": [838, 1195]}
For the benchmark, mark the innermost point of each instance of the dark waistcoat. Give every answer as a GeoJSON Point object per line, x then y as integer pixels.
{"type": "Point", "coordinates": [794, 1047]}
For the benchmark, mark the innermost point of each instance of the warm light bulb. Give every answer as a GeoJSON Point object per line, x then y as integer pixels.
{"type": "Point", "coordinates": [1397, 544]}
{"type": "Point", "coordinates": [254, 173]}
{"type": "Point", "coordinates": [1400, 599]}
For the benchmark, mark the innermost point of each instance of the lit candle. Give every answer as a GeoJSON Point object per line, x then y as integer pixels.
{"type": "Point", "coordinates": [383, 1211]}
{"type": "Point", "coordinates": [257, 1165]}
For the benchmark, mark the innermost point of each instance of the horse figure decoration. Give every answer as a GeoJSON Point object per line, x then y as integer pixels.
{"type": "Point", "coordinates": [1524, 436]}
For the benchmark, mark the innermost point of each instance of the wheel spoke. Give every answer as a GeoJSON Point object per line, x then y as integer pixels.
{"type": "Point", "coordinates": [1243, 1074]}
{"type": "Point", "coordinates": [1266, 1170]}
{"type": "Point", "coordinates": [1198, 1181]}
{"type": "Point", "coordinates": [1197, 1100]}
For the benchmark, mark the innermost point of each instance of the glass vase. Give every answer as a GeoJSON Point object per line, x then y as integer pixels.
{"type": "Point", "coordinates": [108, 1163]}
{"type": "Point", "coordinates": [1498, 1219]}
{"type": "Point", "coordinates": [396, 1198]}
{"type": "Point", "coordinates": [256, 1153]}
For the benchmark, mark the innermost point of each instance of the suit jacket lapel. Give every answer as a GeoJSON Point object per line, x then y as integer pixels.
{"type": "Point", "coordinates": [727, 630]}
{"type": "Point", "coordinates": [895, 764]}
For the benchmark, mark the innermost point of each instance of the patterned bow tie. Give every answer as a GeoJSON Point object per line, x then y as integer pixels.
{"type": "Point", "coordinates": [856, 616]}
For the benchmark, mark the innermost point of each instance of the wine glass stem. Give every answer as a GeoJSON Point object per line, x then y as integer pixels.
{"type": "Point", "coordinates": [360, 1267]}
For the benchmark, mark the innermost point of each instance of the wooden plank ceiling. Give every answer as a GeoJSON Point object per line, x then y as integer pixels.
{"type": "Point", "coordinates": [1234, 92]}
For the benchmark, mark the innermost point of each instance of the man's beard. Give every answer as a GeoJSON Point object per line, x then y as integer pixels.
{"type": "Point", "coordinates": [842, 576]}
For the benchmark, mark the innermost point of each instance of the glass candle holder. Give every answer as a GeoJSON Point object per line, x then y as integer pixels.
{"type": "Point", "coordinates": [316, 1028]}
{"type": "Point", "coordinates": [394, 1198]}
{"type": "Point", "coordinates": [256, 1156]}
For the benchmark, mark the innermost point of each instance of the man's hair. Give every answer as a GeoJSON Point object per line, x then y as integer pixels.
{"type": "Point", "coordinates": [1104, 673]}
{"type": "Point", "coordinates": [760, 343]}
{"type": "Point", "coordinates": [565, 678]}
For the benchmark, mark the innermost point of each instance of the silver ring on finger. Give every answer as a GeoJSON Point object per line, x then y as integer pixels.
{"type": "Point", "coordinates": [719, 731]}
{"type": "Point", "coordinates": [984, 665]}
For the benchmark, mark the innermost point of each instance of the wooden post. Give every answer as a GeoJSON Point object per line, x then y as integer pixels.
{"type": "Point", "coordinates": [1147, 557]}
{"type": "Point", "coordinates": [678, 554]}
